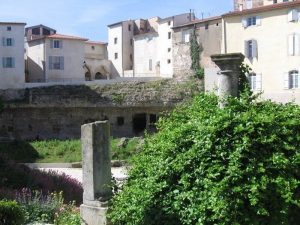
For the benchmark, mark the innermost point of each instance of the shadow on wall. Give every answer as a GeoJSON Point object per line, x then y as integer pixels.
{"type": "Point", "coordinates": [35, 73]}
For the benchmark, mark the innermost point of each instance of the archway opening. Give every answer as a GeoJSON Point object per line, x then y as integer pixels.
{"type": "Point", "coordinates": [100, 76]}
{"type": "Point", "coordinates": [139, 123]}
{"type": "Point", "coordinates": [87, 76]}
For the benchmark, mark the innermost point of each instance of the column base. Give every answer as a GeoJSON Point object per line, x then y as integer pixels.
{"type": "Point", "coordinates": [92, 215]}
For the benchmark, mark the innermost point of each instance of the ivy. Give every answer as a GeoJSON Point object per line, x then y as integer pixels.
{"type": "Point", "coordinates": [195, 51]}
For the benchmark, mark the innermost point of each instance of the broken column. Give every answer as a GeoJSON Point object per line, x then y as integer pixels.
{"type": "Point", "coordinates": [96, 166]}
{"type": "Point", "coordinates": [228, 79]}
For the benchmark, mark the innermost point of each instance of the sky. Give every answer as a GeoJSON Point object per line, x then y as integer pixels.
{"type": "Point", "coordinates": [89, 18]}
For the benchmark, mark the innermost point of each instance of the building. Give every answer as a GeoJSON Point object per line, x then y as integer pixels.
{"type": "Point", "coordinates": [240, 5]}
{"type": "Point", "coordinates": [12, 68]}
{"type": "Point", "coordinates": [209, 36]}
{"type": "Point", "coordinates": [143, 47]}
{"type": "Point", "coordinates": [38, 31]}
{"type": "Point", "coordinates": [96, 65]}
{"type": "Point", "coordinates": [55, 58]}
{"type": "Point", "coordinates": [269, 37]}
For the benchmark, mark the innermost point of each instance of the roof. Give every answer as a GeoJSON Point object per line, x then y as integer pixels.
{"type": "Point", "coordinates": [199, 21]}
{"type": "Point", "coordinates": [96, 42]}
{"type": "Point", "coordinates": [40, 25]}
{"type": "Point", "coordinates": [12, 23]}
{"type": "Point", "coordinates": [68, 37]}
{"type": "Point", "coordinates": [266, 8]}
{"type": "Point", "coordinates": [117, 23]}
{"type": "Point", "coordinates": [171, 17]}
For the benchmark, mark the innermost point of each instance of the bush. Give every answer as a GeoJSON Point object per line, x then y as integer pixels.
{"type": "Point", "coordinates": [238, 165]}
{"type": "Point", "coordinates": [11, 213]}
{"type": "Point", "coordinates": [68, 215]}
{"type": "Point", "coordinates": [14, 176]}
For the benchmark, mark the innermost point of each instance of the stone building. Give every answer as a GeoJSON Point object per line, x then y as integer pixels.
{"type": "Point", "coordinates": [269, 37]}
{"type": "Point", "coordinates": [143, 47]}
{"type": "Point", "coordinates": [12, 55]}
{"type": "Point", "coordinates": [209, 37]}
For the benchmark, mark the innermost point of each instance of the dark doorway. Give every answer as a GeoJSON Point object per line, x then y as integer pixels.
{"type": "Point", "coordinates": [87, 76]}
{"type": "Point", "coordinates": [139, 123]}
{"type": "Point", "coordinates": [100, 76]}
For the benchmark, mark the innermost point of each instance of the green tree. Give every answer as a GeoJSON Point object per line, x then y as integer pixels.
{"type": "Point", "coordinates": [238, 165]}
{"type": "Point", "coordinates": [195, 51]}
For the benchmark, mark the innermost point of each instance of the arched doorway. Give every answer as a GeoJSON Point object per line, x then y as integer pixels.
{"type": "Point", "coordinates": [100, 76]}
{"type": "Point", "coordinates": [87, 76]}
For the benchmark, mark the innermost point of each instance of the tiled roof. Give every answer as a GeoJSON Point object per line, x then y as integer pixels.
{"type": "Point", "coordinates": [96, 42]}
{"type": "Point", "coordinates": [68, 37]}
{"type": "Point", "coordinates": [199, 21]}
{"type": "Point", "coordinates": [266, 8]}
{"type": "Point", "coordinates": [12, 23]}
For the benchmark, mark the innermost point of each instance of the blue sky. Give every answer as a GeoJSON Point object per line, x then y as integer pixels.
{"type": "Point", "coordinates": [89, 18]}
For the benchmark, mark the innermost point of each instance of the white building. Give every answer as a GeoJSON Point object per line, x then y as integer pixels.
{"type": "Point", "coordinates": [143, 48]}
{"type": "Point", "coordinates": [56, 58]}
{"type": "Point", "coordinates": [12, 68]}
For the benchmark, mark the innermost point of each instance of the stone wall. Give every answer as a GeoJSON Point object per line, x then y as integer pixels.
{"type": "Point", "coordinates": [59, 111]}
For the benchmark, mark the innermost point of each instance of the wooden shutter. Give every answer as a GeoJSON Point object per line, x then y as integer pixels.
{"type": "Point", "coordinates": [258, 82]}
{"type": "Point", "coordinates": [244, 22]}
{"type": "Point", "coordinates": [50, 63]}
{"type": "Point", "coordinates": [258, 20]}
{"type": "Point", "coordinates": [296, 44]}
{"type": "Point", "coordinates": [254, 48]}
{"type": "Point", "coordinates": [13, 62]}
{"type": "Point", "coordinates": [61, 44]}
{"type": "Point", "coordinates": [290, 16]}
{"type": "Point", "coordinates": [61, 63]}
{"type": "Point", "coordinates": [246, 48]}
{"type": "Point", "coordinates": [295, 15]}
{"type": "Point", "coordinates": [291, 44]}
{"type": "Point", "coordinates": [286, 81]}
{"type": "Point", "coordinates": [51, 43]}
{"type": "Point", "coordinates": [3, 41]}
{"type": "Point", "coordinates": [4, 62]}
{"type": "Point", "coordinates": [12, 42]}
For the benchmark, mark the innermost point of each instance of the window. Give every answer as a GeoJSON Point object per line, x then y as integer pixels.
{"type": "Point", "coordinates": [129, 27]}
{"type": "Point", "coordinates": [293, 79]}
{"type": "Point", "coordinates": [56, 62]}
{"type": "Point", "coordinates": [131, 42]}
{"type": "Point", "coordinates": [169, 35]}
{"type": "Point", "coordinates": [293, 15]}
{"type": "Point", "coordinates": [8, 62]}
{"type": "Point", "coordinates": [293, 44]}
{"type": "Point", "coordinates": [251, 21]}
{"type": "Point", "coordinates": [36, 31]}
{"type": "Point", "coordinates": [46, 31]}
{"type": "Point", "coordinates": [116, 41]}
{"type": "Point", "coordinates": [169, 61]}
{"type": "Point", "coordinates": [150, 64]}
{"type": "Point", "coordinates": [93, 47]}
{"type": "Point", "coordinates": [169, 49]}
{"type": "Point", "coordinates": [169, 23]}
{"type": "Point", "coordinates": [217, 24]}
{"type": "Point", "coordinates": [120, 121]}
{"type": "Point", "coordinates": [9, 42]}
{"type": "Point", "coordinates": [116, 55]}
{"type": "Point", "coordinates": [249, 4]}
{"type": "Point", "coordinates": [185, 36]}
{"type": "Point", "coordinates": [56, 44]}
{"type": "Point", "coordinates": [8, 28]}
{"type": "Point", "coordinates": [251, 49]}
{"type": "Point", "coordinates": [206, 26]}
{"type": "Point", "coordinates": [255, 81]}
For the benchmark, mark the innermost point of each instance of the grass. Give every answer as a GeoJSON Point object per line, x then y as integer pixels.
{"type": "Point", "coordinates": [57, 151]}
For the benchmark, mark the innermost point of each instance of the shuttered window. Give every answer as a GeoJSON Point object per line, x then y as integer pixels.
{"type": "Point", "coordinates": [8, 62]}
{"type": "Point", "coordinates": [56, 63]}
{"type": "Point", "coordinates": [255, 81]}
{"type": "Point", "coordinates": [8, 41]}
{"type": "Point", "coordinates": [251, 49]}
{"type": "Point", "coordinates": [293, 15]}
{"type": "Point", "coordinates": [293, 44]}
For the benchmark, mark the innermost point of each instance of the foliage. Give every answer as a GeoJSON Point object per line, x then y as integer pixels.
{"type": "Point", "coordinates": [14, 177]}
{"type": "Point", "coordinates": [243, 81]}
{"type": "Point", "coordinates": [60, 151]}
{"type": "Point", "coordinates": [233, 166]}
{"type": "Point", "coordinates": [195, 51]}
{"type": "Point", "coordinates": [11, 213]}
{"type": "Point", "coordinates": [39, 207]}
{"type": "Point", "coordinates": [68, 215]}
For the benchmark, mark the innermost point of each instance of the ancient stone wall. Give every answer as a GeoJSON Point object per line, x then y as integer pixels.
{"type": "Point", "coordinates": [59, 111]}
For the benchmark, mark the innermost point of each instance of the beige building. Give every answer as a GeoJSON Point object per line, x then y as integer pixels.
{"type": "Point", "coordinates": [209, 36]}
{"type": "Point", "coordinates": [12, 68]}
{"type": "Point", "coordinates": [269, 36]}
{"type": "Point", "coordinates": [56, 58]}
{"type": "Point", "coordinates": [96, 65]}
{"type": "Point", "coordinates": [240, 5]}
{"type": "Point", "coordinates": [143, 48]}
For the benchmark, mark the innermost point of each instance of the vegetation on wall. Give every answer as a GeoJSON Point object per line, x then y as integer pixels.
{"type": "Point", "coordinates": [238, 165]}
{"type": "Point", "coordinates": [195, 50]}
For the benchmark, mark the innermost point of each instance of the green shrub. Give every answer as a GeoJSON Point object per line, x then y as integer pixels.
{"type": "Point", "coordinates": [234, 166]}
{"type": "Point", "coordinates": [11, 213]}
{"type": "Point", "coordinates": [68, 215]}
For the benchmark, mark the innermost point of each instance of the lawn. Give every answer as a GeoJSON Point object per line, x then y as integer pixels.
{"type": "Point", "coordinates": [58, 151]}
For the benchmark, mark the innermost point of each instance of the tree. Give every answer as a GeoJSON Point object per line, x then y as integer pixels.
{"type": "Point", "coordinates": [195, 51]}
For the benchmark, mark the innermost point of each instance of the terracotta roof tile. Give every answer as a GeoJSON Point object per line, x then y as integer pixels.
{"type": "Point", "coordinates": [199, 21]}
{"type": "Point", "coordinates": [96, 42]}
{"type": "Point", "coordinates": [68, 37]}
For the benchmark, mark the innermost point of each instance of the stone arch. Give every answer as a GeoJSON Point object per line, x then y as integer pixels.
{"type": "Point", "coordinates": [88, 76]}
{"type": "Point", "coordinates": [100, 76]}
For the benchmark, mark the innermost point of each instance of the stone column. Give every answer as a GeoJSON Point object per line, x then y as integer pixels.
{"type": "Point", "coordinates": [95, 141]}
{"type": "Point", "coordinates": [228, 80]}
